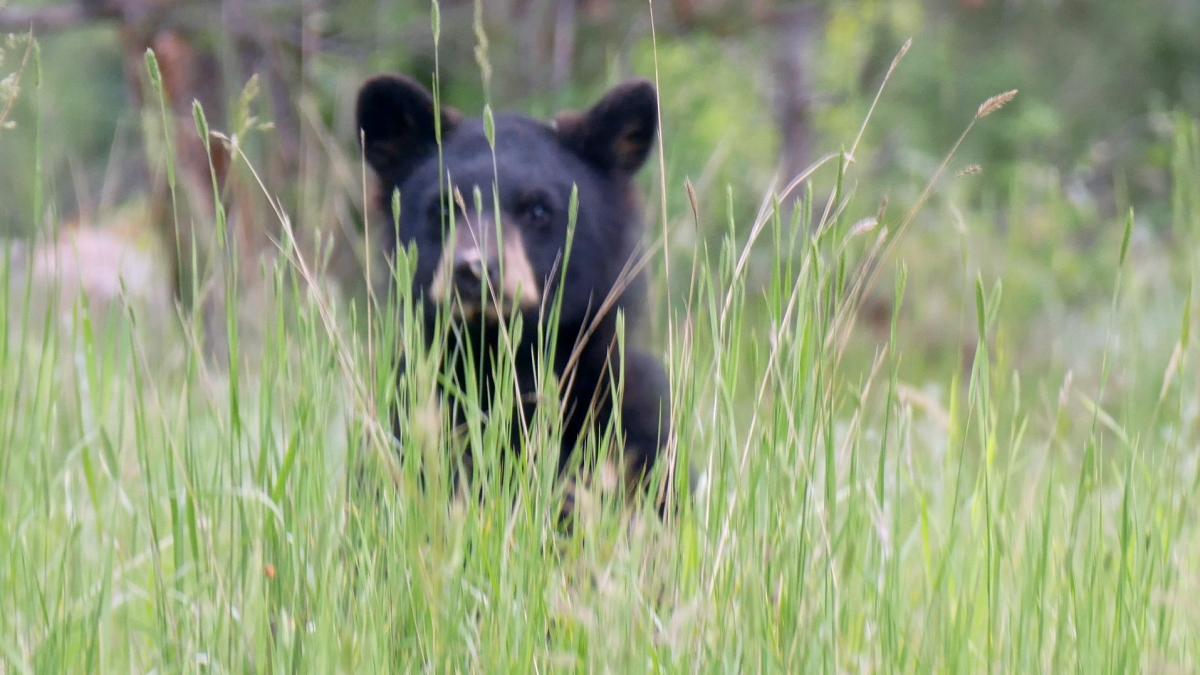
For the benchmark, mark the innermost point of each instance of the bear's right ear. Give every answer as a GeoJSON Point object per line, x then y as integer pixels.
{"type": "Point", "coordinates": [396, 118]}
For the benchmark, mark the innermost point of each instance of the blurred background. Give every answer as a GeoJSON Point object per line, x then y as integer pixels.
{"type": "Point", "coordinates": [753, 91]}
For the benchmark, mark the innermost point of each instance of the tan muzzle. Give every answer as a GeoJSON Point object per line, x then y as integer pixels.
{"type": "Point", "coordinates": [477, 273]}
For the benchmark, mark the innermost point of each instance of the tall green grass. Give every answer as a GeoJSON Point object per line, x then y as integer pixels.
{"type": "Point", "coordinates": [162, 513]}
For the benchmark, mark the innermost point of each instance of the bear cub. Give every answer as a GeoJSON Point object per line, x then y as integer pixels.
{"type": "Point", "coordinates": [504, 254]}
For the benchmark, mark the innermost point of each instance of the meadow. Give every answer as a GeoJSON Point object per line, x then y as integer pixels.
{"type": "Point", "coordinates": [923, 442]}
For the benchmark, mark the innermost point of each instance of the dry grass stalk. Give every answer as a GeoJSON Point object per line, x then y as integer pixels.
{"type": "Point", "coordinates": [995, 103]}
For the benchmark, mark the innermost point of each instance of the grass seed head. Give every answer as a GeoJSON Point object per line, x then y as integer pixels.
{"type": "Point", "coordinates": [995, 103]}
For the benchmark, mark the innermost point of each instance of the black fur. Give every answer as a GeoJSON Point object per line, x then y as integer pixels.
{"type": "Point", "coordinates": [598, 152]}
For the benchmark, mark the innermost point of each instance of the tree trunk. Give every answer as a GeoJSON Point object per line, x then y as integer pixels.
{"type": "Point", "coordinates": [797, 28]}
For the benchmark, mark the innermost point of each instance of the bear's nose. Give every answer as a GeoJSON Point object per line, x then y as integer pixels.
{"type": "Point", "coordinates": [469, 272]}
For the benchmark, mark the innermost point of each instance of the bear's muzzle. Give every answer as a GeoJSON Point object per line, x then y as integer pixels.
{"type": "Point", "coordinates": [476, 274]}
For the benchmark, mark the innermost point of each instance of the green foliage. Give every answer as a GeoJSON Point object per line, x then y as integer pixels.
{"type": "Point", "coordinates": [1096, 79]}
{"type": "Point", "coordinates": [718, 129]}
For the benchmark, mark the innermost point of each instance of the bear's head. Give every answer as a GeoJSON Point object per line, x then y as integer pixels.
{"type": "Point", "coordinates": [491, 226]}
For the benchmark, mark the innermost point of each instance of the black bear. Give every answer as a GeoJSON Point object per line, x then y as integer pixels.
{"type": "Point", "coordinates": [508, 248]}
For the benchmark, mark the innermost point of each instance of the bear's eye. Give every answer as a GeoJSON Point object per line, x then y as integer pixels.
{"type": "Point", "coordinates": [536, 211]}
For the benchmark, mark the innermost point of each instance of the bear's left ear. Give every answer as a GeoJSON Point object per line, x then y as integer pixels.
{"type": "Point", "coordinates": [618, 132]}
{"type": "Point", "coordinates": [397, 119]}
